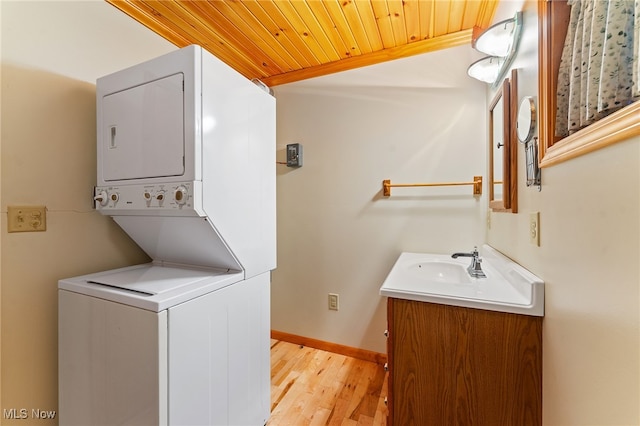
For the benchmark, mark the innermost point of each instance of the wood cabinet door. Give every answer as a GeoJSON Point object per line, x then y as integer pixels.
{"type": "Point", "coordinates": [459, 366]}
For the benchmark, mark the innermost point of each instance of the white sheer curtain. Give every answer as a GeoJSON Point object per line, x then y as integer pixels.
{"type": "Point", "coordinates": [599, 71]}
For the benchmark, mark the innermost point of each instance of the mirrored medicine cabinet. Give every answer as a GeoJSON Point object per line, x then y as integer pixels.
{"type": "Point", "coordinates": [502, 147]}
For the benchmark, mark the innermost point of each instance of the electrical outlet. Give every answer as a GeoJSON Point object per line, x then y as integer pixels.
{"type": "Point", "coordinates": [26, 218]}
{"type": "Point", "coordinates": [333, 302]}
{"type": "Point", "coordinates": [534, 228]}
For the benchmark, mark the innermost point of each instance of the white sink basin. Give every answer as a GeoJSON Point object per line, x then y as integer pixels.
{"type": "Point", "coordinates": [438, 278]}
{"type": "Point", "coordinates": [441, 271]}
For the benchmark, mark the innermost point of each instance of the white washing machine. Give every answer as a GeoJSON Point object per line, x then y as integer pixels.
{"type": "Point", "coordinates": [186, 166]}
{"type": "Point", "coordinates": [156, 345]}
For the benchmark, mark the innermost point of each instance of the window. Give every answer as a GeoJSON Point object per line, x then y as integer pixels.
{"type": "Point", "coordinates": [619, 126]}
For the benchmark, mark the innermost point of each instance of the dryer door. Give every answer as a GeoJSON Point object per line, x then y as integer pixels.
{"type": "Point", "coordinates": [143, 131]}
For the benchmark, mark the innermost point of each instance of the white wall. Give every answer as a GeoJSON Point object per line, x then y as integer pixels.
{"type": "Point", "coordinates": [52, 52]}
{"type": "Point", "coordinates": [589, 257]}
{"type": "Point", "coordinates": [416, 120]}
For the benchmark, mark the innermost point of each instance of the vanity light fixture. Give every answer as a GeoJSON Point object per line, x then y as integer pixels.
{"type": "Point", "coordinates": [499, 41]}
{"type": "Point", "coordinates": [486, 69]}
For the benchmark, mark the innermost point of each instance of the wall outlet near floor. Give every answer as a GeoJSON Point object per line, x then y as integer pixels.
{"type": "Point", "coordinates": [26, 218]}
{"type": "Point", "coordinates": [534, 228]}
{"type": "Point", "coordinates": [333, 302]}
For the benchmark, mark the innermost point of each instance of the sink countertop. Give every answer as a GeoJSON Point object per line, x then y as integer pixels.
{"type": "Point", "coordinates": [438, 278]}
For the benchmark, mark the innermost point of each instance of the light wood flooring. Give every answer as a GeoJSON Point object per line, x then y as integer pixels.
{"type": "Point", "coordinates": [314, 387]}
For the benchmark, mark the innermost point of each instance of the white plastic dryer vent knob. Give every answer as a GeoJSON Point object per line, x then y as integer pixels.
{"type": "Point", "coordinates": [102, 198]}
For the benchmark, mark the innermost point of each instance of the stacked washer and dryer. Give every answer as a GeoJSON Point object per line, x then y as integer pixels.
{"type": "Point", "coordinates": [186, 166]}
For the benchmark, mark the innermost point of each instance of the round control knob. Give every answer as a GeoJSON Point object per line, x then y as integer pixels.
{"type": "Point", "coordinates": [160, 196]}
{"type": "Point", "coordinates": [180, 195]}
{"type": "Point", "coordinates": [147, 196]}
{"type": "Point", "coordinates": [102, 198]}
{"type": "Point", "coordinates": [114, 197]}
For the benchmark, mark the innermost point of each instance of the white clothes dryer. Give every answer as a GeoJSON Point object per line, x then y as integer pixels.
{"type": "Point", "coordinates": [186, 166]}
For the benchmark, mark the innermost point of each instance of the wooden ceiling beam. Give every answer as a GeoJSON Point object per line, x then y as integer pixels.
{"type": "Point", "coordinates": [437, 43]}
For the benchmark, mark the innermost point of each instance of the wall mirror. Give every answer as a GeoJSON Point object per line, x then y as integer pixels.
{"type": "Point", "coordinates": [501, 150]}
{"type": "Point", "coordinates": [498, 148]}
{"type": "Point", "coordinates": [525, 128]}
{"type": "Point", "coordinates": [526, 124]}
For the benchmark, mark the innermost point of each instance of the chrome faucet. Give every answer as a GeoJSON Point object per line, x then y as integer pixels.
{"type": "Point", "coordinates": [475, 269]}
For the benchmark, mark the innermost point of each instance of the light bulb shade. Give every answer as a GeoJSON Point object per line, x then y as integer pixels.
{"type": "Point", "coordinates": [498, 39]}
{"type": "Point", "coordinates": [486, 69]}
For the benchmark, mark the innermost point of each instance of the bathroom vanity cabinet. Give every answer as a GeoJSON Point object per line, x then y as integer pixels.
{"type": "Point", "coordinates": [451, 365]}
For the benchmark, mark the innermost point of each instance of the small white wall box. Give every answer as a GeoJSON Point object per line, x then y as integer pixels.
{"type": "Point", "coordinates": [294, 155]}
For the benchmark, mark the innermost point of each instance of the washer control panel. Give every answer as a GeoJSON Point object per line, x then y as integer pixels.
{"type": "Point", "coordinates": [145, 198]}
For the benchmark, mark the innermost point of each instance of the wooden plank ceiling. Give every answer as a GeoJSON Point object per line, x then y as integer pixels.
{"type": "Point", "coordinates": [282, 41]}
